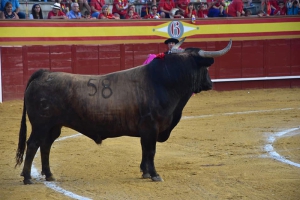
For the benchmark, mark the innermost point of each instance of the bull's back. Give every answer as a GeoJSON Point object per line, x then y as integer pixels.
{"type": "Point", "coordinates": [87, 103]}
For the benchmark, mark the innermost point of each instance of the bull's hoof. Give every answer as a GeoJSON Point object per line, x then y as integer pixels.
{"type": "Point", "coordinates": [50, 178]}
{"type": "Point", "coordinates": [146, 175]}
{"type": "Point", "coordinates": [27, 182]}
{"type": "Point", "coordinates": [157, 178]}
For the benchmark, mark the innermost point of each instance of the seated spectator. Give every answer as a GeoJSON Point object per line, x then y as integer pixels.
{"type": "Point", "coordinates": [106, 15]}
{"type": "Point", "coordinates": [235, 9]}
{"type": "Point", "coordinates": [153, 13]}
{"type": "Point", "coordinates": [131, 14]}
{"type": "Point", "coordinates": [15, 8]}
{"type": "Point", "coordinates": [178, 14]}
{"type": "Point", "coordinates": [296, 7]}
{"type": "Point", "coordinates": [293, 7]}
{"type": "Point", "coordinates": [64, 6]}
{"type": "Point", "coordinates": [281, 10]}
{"type": "Point", "coordinates": [190, 11]}
{"type": "Point", "coordinates": [8, 12]}
{"type": "Point", "coordinates": [96, 7]}
{"type": "Point", "coordinates": [135, 14]}
{"type": "Point", "coordinates": [216, 8]}
{"type": "Point", "coordinates": [202, 11]}
{"type": "Point", "coordinates": [56, 12]}
{"type": "Point", "coordinates": [36, 12]}
{"type": "Point", "coordinates": [289, 5]}
{"type": "Point", "coordinates": [183, 5]}
{"type": "Point", "coordinates": [87, 15]}
{"type": "Point", "coordinates": [84, 6]}
{"type": "Point", "coordinates": [166, 7]}
{"type": "Point", "coordinates": [120, 7]}
{"type": "Point", "coordinates": [172, 13]}
{"type": "Point", "coordinates": [247, 12]}
{"type": "Point", "coordinates": [146, 8]}
{"type": "Point", "coordinates": [74, 12]}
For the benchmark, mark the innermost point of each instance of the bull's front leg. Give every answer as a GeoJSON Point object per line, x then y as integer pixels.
{"type": "Point", "coordinates": [148, 133]}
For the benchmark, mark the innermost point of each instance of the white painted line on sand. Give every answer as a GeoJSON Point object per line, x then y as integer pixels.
{"type": "Point", "coordinates": [237, 113]}
{"type": "Point", "coordinates": [273, 154]}
{"type": "Point", "coordinates": [53, 185]}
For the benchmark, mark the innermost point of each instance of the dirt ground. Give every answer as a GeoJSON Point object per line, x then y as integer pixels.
{"type": "Point", "coordinates": [217, 151]}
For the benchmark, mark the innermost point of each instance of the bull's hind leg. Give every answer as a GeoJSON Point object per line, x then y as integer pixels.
{"type": "Point", "coordinates": [45, 152]}
{"type": "Point", "coordinates": [32, 147]}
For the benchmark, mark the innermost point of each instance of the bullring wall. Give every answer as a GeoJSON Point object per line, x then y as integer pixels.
{"type": "Point", "coordinates": [264, 52]}
{"type": "Point", "coordinates": [246, 66]}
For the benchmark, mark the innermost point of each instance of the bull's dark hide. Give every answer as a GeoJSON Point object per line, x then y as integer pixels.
{"type": "Point", "coordinates": [146, 102]}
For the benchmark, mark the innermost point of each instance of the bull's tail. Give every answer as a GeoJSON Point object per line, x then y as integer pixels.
{"type": "Point", "coordinates": [22, 138]}
{"type": "Point", "coordinates": [23, 129]}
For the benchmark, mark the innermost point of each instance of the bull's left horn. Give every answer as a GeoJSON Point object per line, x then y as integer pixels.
{"type": "Point", "coordinates": [213, 54]}
{"type": "Point", "coordinates": [176, 46]}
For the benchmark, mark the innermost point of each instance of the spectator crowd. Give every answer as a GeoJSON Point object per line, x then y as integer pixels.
{"type": "Point", "coordinates": [123, 9]}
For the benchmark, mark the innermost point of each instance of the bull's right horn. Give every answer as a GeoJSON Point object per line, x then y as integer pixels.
{"type": "Point", "coordinates": [213, 54]}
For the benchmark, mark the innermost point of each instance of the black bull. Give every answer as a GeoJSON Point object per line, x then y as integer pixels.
{"type": "Point", "coordinates": [146, 102]}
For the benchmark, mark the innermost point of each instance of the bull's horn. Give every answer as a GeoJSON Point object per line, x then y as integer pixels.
{"type": "Point", "coordinates": [176, 46]}
{"type": "Point", "coordinates": [213, 54]}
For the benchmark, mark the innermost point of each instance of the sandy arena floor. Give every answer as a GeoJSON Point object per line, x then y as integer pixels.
{"type": "Point", "coordinates": [219, 150]}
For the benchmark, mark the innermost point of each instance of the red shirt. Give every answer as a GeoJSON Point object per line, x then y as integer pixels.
{"type": "Point", "coordinates": [280, 11]}
{"type": "Point", "coordinates": [168, 6]}
{"type": "Point", "coordinates": [108, 16]}
{"type": "Point", "coordinates": [150, 16]}
{"type": "Point", "coordinates": [202, 13]}
{"type": "Point", "coordinates": [122, 4]}
{"type": "Point", "coordinates": [134, 16]}
{"type": "Point", "coordinates": [59, 13]}
{"type": "Point", "coordinates": [186, 15]}
{"type": "Point", "coordinates": [236, 5]}
{"type": "Point", "coordinates": [274, 3]}
{"type": "Point", "coordinates": [98, 4]}
{"type": "Point", "coordinates": [183, 4]}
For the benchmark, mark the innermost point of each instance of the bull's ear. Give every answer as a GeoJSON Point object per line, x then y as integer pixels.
{"type": "Point", "coordinates": [176, 46]}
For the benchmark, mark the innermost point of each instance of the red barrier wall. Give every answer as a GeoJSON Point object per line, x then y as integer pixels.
{"type": "Point", "coordinates": [246, 59]}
